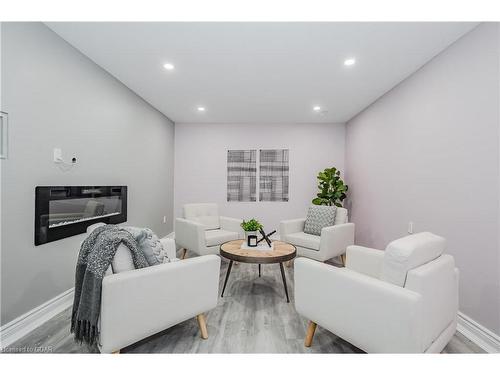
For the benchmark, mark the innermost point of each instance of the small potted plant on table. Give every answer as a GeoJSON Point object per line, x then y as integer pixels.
{"type": "Point", "coordinates": [251, 227]}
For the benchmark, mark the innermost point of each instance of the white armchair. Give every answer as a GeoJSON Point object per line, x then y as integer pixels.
{"type": "Point", "coordinates": [402, 300]}
{"type": "Point", "coordinates": [332, 242]}
{"type": "Point", "coordinates": [137, 303]}
{"type": "Point", "coordinates": [202, 230]}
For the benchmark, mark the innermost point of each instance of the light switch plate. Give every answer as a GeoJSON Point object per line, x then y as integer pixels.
{"type": "Point", "coordinates": [57, 155]}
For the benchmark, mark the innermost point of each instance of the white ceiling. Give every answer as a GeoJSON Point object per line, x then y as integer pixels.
{"type": "Point", "coordinates": [260, 72]}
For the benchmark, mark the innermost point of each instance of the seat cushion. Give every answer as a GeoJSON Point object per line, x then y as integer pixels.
{"type": "Point", "coordinates": [203, 213]}
{"type": "Point", "coordinates": [210, 222]}
{"type": "Point", "coordinates": [219, 236]}
{"type": "Point", "coordinates": [319, 217]}
{"type": "Point", "coordinates": [309, 241]}
{"type": "Point", "coordinates": [410, 252]}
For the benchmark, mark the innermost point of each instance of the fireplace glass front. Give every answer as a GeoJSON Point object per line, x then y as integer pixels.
{"type": "Point", "coordinates": [63, 211]}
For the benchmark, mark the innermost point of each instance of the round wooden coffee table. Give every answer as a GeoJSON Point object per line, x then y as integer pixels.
{"type": "Point", "coordinates": [280, 253]}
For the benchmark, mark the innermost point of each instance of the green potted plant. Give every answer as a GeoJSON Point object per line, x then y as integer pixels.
{"type": "Point", "coordinates": [251, 227]}
{"type": "Point", "coordinates": [332, 190]}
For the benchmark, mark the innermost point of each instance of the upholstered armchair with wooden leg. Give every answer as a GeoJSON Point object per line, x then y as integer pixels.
{"type": "Point", "coordinates": [332, 242]}
{"type": "Point", "coordinates": [202, 230]}
{"type": "Point", "coordinates": [401, 300]}
{"type": "Point", "coordinates": [139, 303]}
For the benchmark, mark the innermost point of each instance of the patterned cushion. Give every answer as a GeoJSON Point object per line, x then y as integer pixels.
{"type": "Point", "coordinates": [219, 236]}
{"type": "Point", "coordinates": [319, 217]}
{"type": "Point", "coordinates": [150, 245]}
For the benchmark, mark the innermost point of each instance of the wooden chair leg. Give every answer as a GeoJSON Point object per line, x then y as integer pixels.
{"type": "Point", "coordinates": [184, 251]}
{"type": "Point", "coordinates": [203, 326]}
{"type": "Point", "coordinates": [310, 334]}
{"type": "Point", "coordinates": [343, 259]}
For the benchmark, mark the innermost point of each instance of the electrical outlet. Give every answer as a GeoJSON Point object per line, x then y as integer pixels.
{"type": "Point", "coordinates": [410, 227]}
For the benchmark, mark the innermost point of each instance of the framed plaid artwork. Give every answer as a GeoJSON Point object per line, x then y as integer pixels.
{"type": "Point", "coordinates": [273, 178]}
{"type": "Point", "coordinates": [241, 175]}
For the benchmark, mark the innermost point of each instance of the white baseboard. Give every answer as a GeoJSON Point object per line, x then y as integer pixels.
{"type": "Point", "coordinates": [479, 335]}
{"type": "Point", "coordinates": [24, 324]}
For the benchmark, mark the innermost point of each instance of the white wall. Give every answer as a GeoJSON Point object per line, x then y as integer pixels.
{"type": "Point", "coordinates": [428, 152]}
{"type": "Point", "coordinates": [57, 97]}
{"type": "Point", "coordinates": [201, 155]}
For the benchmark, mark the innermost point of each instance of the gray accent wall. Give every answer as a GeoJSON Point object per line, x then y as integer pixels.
{"type": "Point", "coordinates": [57, 97]}
{"type": "Point", "coordinates": [428, 152]}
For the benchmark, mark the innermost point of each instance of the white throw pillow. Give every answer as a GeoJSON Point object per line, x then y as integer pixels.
{"type": "Point", "coordinates": [407, 253]}
{"type": "Point", "coordinates": [123, 260]}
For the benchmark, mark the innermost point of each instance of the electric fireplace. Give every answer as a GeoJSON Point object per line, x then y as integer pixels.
{"type": "Point", "coordinates": [64, 211]}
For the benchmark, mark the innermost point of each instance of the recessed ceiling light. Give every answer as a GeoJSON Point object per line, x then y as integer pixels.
{"type": "Point", "coordinates": [349, 62]}
{"type": "Point", "coordinates": [169, 66]}
{"type": "Point", "coordinates": [316, 108]}
{"type": "Point", "coordinates": [201, 109]}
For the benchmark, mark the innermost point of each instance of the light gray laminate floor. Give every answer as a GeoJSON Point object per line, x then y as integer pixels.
{"type": "Point", "coordinates": [253, 317]}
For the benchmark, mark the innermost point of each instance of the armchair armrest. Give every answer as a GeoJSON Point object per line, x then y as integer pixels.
{"type": "Point", "coordinates": [189, 234]}
{"type": "Point", "coordinates": [371, 314]}
{"type": "Point", "coordinates": [365, 260]}
{"type": "Point", "coordinates": [291, 226]}
{"type": "Point", "coordinates": [132, 310]}
{"type": "Point", "coordinates": [232, 225]}
{"type": "Point", "coordinates": [335, 239]}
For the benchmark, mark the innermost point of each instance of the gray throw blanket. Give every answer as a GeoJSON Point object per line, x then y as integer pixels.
{"type": "Point", "coordinates": [96, 254]}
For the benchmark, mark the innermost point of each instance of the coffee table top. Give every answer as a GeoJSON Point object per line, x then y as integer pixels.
{"type": "Point", "coordinates": [281, 252]}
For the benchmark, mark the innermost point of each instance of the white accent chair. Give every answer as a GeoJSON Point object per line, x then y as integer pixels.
{"type": "Point", "coordinates": [138, 303]}
{"type": "Point", "coordinates": [403, 300]}
{"type": "Point", "coordinates": [332, 242]}
{"type": "Point", "coordinates": [202, 230]}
